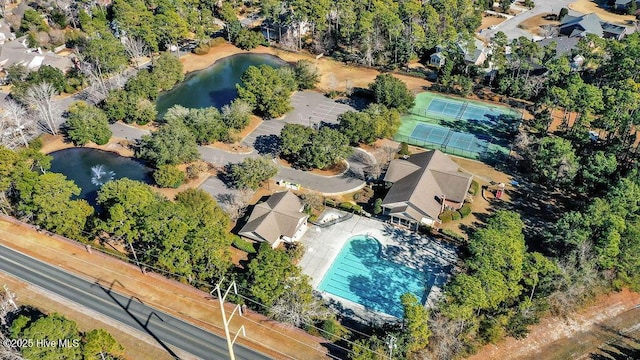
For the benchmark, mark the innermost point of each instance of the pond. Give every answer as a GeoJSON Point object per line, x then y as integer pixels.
{"type": "Point", "coordinates": [91, 168]}
{"type": "Point", "coordinates": [214, 86]}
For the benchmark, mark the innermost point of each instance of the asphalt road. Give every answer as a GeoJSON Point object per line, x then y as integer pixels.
{"type": "Point", "coordinates": [510, 26]}
{"type": "Point", "coordinates": [165, 329]}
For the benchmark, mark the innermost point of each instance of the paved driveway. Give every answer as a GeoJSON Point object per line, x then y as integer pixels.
{"type": "Point", "coordinates": [319, 108]}
{"type": "Point", "coordinates": [309, 109]}
{"type": "Point", "coordinates": [510, 26]}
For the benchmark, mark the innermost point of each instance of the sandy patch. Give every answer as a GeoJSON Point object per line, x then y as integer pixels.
{"type": "Point", "coordinates": [52, 143]}
{"type": "Point", "coordinates": [335, 75]}
{"type": "Point", "coordinates": [589, 6]}
{"type": "Point", "coordinates": [333, 170]}
{"type": "Point", "coordinates": [490, 20]}
{"type": "Point", "coordinates": [559, 338]}
{"type": "Point", "coordinates": [534, 25]}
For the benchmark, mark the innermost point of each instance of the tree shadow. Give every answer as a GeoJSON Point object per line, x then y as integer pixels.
{"type": "Point", "coordinates": [225, 176]}
{"type": "Point", "coordinates": [268, 144]}
{"type": "Point", "coordinates": [127, 307]}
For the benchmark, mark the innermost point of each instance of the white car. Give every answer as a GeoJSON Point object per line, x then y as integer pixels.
{"type": "Point", "coordinates": [493, 27]}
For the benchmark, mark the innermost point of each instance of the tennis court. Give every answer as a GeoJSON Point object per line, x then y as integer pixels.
{"type": "Point", "coordinates": [458, 126]}
{"type": "Point", "coordinates": [448, 139]}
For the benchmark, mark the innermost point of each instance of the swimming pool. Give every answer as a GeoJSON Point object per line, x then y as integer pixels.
{"type": "Point", "coordinates": [361, 275]}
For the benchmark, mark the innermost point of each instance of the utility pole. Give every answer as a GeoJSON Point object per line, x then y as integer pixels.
{"type": "Point", "coordinates": [391, 343]}
{"type": "Point", "coordinates": [226, 322]}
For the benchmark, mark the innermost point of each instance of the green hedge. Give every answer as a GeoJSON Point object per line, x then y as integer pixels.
{"type": "Point", "coordinates": [244, 245]}
{"type": "Point", "coordinates": [351, 207]}
{"type": "Point", "coordinates": [456, 215]}
{"type": "Point", "coordinates": [473, 189]}
{"type": "Point", "coordinates": [465, 210]}
{"type": "Point", "coordinates": [168, 176]}
{"type": "Point", "coordinates": [446, 216]}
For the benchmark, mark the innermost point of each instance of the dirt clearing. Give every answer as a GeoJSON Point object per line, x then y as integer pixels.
{"type": "Point", "coordinates": [609, 319]}
{"type": "Point", "coordinates": [536, 25]}
{"type": "Point", "coordinates": [335, 75]}
{"type": "Point", "coordinates": [589, 6]}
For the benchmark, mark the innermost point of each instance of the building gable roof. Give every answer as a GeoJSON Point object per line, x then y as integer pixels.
{"type": "Point", "coordinates": [276, 217]}
{"type": "Point", "coordinates": [420, 181]}
{"type": "Point", "coordinates": [589, 23]}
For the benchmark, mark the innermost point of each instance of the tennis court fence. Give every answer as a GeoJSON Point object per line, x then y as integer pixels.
{"type": "Point", "coordinates": [444, 147]}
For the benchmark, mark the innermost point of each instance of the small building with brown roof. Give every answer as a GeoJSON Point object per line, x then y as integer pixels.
{"type": "Point", "coordinates": [278, 219]}
{"type": "Point", "coordinates": [423, 186]}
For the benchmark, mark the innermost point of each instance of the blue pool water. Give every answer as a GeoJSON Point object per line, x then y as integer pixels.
{"type": "Point", "coordinates": [361, 275]}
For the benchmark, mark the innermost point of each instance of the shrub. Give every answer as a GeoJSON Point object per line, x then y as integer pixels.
{"type": "Point", "coordinates": [295, 251]}
{"type": "Point", "coordinates": [356, 208]}
{"type": "Point", "coordinates": [404, 149]}
{"type": "Point", "coordinates": [196, 169]}
{"type": "Point", "coordinates": [377, 206]}
{"type": "Point", "coordinates": [456, 215]}
{"type": "Point", "coordinates": [346, 206]}
{"type": "Point", "coordinates": [473, 189]}
{"type": "Point", "coordinates": [202, 49]}
{"type": "Point", "coordinates": [446, 216]}
{"type": "Point", "coordinates": [465, 210]}
{"type": "Point", "coordinates": [330, 202]}
{"type": "Point", "coordinates": [36, 144]}
{"type": "Point", "coordinates": [168, 176]}
{"type": "Point", "coordinates": [307, 75]}
{"type": "Point", "coordinates": [244, 245]}
{"type": "Point", "coordinates": [333, 94]}
{"type": "Point", "coordinates": [333, 330]}
{"type": "Point", "coordinates": [247, 39]}
{"type": "Point", "coordinates": [217, 41]}
{"type": "Point", "coordinates": [356, 196]}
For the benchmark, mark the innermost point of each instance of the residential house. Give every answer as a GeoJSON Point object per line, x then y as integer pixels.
{"type": "Point", "coordinates": [278, 219]}
{"type": "Point", "coordinates": [423, 186]}
{"type": "Point", "coordinates": [473, 53]}
{"type": "Point", "coordinates": [565, 46]}
{"type": "Point", "coordinates": [580, 26]}
{"type": "Point", "coordinates": [17, 52]}
{"type": "Point", "coordinates": [437, 59]}
{"type": "Point", "coordinates": [624, 5]}
{"type": "Point", "coordinates": [284, 30]}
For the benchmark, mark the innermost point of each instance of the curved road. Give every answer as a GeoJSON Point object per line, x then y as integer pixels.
{"type": "Point", "coordinates": [165, 329]}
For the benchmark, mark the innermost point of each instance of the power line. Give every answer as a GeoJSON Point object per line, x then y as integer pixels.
{"type": "Point", "coordinates": [120, 256]}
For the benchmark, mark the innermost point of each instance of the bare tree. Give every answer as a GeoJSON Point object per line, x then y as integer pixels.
{"type": "Point", "coordinates": [444, 342]}
{"type": "Point", "coordinates": [377, 164]}
{"type": "Point", "coordinates": [40, 98]}
{"type": "Point", "coordinates": [292, 309]}
{"type": "Point", "coordinates": [3, 7]}
{"type": "Point", "coordinates": [135, 48]}
{"type": "Point", "coordinates": [235, 204]}
{"type": "Point", "coordinates": [16, 123]}
{"type": "Point", "coordinates": [7, 308]}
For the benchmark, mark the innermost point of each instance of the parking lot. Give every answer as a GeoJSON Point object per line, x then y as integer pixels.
{"type": "Point", "coordinates": [309, 109]}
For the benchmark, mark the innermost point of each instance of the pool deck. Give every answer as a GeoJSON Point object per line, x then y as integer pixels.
{"type": "Point", "coordinates": [322, 246]}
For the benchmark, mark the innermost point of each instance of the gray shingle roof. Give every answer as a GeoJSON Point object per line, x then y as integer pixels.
{"type": "Point", "coordinates": [278, 216]}
{"type": "Point", "coordinates": [419, 183]}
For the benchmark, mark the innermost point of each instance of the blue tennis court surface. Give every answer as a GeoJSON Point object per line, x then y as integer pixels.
{"type": "Point", "coordinates": [445, 137]}
{"type": "Point", "coordinates": [466, 111]}
{"type": "Point", "coordinates": [360, 275]}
